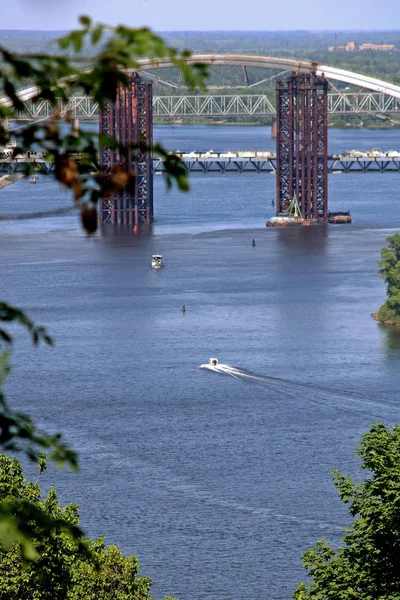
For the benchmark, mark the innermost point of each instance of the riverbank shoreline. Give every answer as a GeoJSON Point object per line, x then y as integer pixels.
{"type": "Point", "coordinates": [6, 180]}
{"type": "Point", "coordinates": [392, 323]}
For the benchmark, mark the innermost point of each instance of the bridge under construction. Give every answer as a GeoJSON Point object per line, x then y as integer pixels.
{"type": "Point", "coordinates": [301, 156]}
{"type": "Point", "coordinates": [301, 161]}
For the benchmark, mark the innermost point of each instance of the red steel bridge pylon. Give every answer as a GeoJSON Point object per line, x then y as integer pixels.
{"type": "Point", "coordinates": [302, 145]}
{"type": "Point", "coordinates": [129, 120]}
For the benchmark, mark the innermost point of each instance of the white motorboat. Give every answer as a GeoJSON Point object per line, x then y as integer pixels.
{"type": "Point", "coordinates": [213, 362]}
{"type": "Point", "coordinates": [156, 261]}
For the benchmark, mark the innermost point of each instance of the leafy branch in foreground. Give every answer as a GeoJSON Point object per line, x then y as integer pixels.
{"type": "Point", "coordinates": [75, 153]}
{"type": "Point", "coordinates": [18, 432]}
{"type": "Point", "coordinates": [10, 313]}
{"type": "Point", "coordinates": [367, 564]}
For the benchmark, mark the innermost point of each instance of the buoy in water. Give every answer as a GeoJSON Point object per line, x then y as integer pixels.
{"type": "Point", "coordinates": [183, 308]}
{"type": "Point", "coordinates": [254, 243]}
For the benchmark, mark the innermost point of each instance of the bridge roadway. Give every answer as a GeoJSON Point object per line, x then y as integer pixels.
{"type": "Point", "coordinates": [336, 165]}
{"type": "Point", "coordinates": [234, 165]}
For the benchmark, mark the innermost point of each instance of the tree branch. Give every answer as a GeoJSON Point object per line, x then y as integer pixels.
{"type": "Point", "coordinates": [41, 214]}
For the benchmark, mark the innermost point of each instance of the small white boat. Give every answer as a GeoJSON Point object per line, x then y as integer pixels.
{"type": "Point", "coordinates": [33, 179]}
{"type": "Point", "coordinates": [213, 362]}
{"type": "Point", "coordinates": [156, 261]}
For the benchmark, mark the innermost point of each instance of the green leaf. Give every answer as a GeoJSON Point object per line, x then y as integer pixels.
{"type": "Point", "coordinates": [85, 20]}
{"type": "Point", "coordinates": [6, 337]}
{"type": "Point", "coordinates": [63, 42]}
{"type": "Point", "coordinates": [4, 369]}
{"type": "Point", "coordinates": [10, 534]}
{"type": "Point", "coordinates": [9, 313]}
{"type": "Point", "coordinates": [76, 38]}
{"type": "Point", "coordinates": [11, 93]}
{"type": "Point", "coordinates": [96, 34]}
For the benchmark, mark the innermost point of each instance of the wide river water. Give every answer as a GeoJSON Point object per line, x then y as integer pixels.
{"type": "Point", "coordinates": [217, 484]}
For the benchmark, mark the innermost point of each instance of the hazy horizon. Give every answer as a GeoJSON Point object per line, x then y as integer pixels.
{"type": "Point", "coordinates": [250, 31]}
{"type": "Point", "coordinates": [225, 15]}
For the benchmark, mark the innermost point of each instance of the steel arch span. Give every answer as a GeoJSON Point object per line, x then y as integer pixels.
{"type": "Point", "coordinates": [284, 64]}
{"type": "Point", "coordinates": [244, 60]}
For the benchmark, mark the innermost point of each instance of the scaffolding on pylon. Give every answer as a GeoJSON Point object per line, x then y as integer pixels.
{"type": "Point", "coordinates": [130, 121]}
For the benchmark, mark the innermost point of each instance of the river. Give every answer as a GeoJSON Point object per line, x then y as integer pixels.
{"type": "Point", "coordinates": [217, 484]}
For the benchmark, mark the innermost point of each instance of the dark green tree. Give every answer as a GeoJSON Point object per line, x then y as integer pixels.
{"type": "Point", "coordinates": [366, 566]}
{"type": "Point", "coordinates": [389, 270]}
{"type": "Point", "coordinates": [65, 568]}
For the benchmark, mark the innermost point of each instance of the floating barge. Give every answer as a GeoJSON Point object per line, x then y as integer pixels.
{"type": "Point", "coordinates": [339, 218]}
{"type": "Point", "coordinates": [292, 217]}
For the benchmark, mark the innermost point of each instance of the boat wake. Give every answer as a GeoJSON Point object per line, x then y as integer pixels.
{"type": "Point", "coordinates": [234, 372]}
{"type": "Point", "coordinates": [349, 400]}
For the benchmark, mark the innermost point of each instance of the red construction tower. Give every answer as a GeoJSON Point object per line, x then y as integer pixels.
{"type": "Point", "coordinates": [301, 141]}
{"type": "Point", "coordinates": [129, 120]}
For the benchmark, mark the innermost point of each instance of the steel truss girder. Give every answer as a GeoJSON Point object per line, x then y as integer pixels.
{"type": "Point", "coordinates": [130, 121]}
{"type": "Point", "coordinates": [268, 165]}
{"type": "Point", "coordinates": [85, 107]}
{"type": "Point", "coordinates": [336, 165]}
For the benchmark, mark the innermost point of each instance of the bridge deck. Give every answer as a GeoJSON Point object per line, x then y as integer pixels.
{"type": "Point", "coordinates": [208, 166]}
{"type": "Point", "coordinates": [268, 165]}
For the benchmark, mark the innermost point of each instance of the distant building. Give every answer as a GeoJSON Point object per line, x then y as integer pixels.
{"type": "Point", "coordinates": [349, 47]}
{"type": "Point", "coordinates": [377, 47]}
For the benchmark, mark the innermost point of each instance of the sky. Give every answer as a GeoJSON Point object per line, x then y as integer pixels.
{"type": "Point", "coordinates": [204, 15]}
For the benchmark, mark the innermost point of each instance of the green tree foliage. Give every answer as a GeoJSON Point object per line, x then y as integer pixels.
{"type": "Point", "coordinates": [65, 568]}
{"type": "Point", "coordinates": [389, 270]}
{"type": "Point", "coordinates": [367, 564]}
